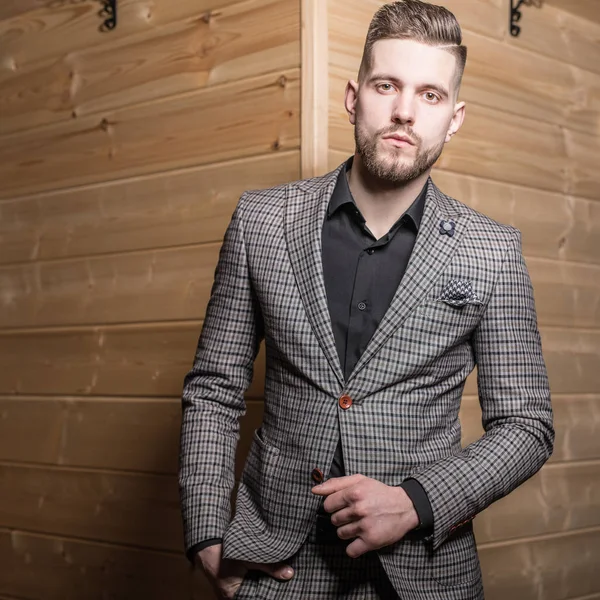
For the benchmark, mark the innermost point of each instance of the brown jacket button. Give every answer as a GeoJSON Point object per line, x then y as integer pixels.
{"type": "Point", "coordinates": [317, 475]}
{"type": "Point", "coordinates": [345, 402]}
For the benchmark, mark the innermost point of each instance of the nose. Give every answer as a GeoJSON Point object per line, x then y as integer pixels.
{"type": "Point", "coordinates": [403, 110]}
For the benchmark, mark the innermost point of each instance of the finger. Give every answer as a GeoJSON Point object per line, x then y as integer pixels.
{"type": "Point", "coordinates": [357, 548]}
{"type": "Point", "coordinates": [276, 570]}
{"type": "Point", "coordinates": [337, 501]}
{"type": "Point", "coordinates": [344, 516]}
{"type": "Point", "coordinates": [336, 484]}
{"type": "Point", "coordinates": [347, 532]}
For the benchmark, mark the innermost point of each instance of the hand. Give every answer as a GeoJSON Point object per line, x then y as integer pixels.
{"type": "Point", "coordinates": [226, 575]}
{"type": "Point", "coordinates": [374, 513]}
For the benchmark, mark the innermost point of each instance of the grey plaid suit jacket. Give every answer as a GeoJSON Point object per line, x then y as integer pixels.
{"type": "Point", "coordinates": [406, 387]}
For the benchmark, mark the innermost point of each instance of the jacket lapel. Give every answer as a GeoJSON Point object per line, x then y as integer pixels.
{"type": "Point", "coordinates": [306, 208]}
{"type": "Point", "coordinates": [431, 253]}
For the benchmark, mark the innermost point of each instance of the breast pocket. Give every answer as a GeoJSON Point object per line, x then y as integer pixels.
{"type": "Point", "coordinates": [437, 316]}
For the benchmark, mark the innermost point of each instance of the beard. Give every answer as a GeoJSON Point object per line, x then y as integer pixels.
{"type": "Point", "coordinates": [393, 166]}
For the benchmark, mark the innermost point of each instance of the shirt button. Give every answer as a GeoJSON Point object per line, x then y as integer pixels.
{"type": "Point", "coordinates": [362, 306]}
{"type": "Point", "coordinates": [370, 251]}
{"type": "Point", "coordinates": [317, 475]}
{"type": "Point", "coordinates": [345, 402]}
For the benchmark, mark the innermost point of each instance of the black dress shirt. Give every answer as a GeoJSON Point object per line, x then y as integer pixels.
{"type": "Point", "coordinates": [361, 276]}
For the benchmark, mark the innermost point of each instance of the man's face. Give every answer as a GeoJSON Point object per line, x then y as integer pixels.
{"type": "Point", "coordinates": [407, 91]}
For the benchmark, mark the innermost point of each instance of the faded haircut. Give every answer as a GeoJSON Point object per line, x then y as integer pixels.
{"type": "Point", "coordinates": [421, 22]}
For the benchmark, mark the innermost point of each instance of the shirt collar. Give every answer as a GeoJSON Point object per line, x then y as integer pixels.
{"type": "Point", "coordinates": [342, 195]}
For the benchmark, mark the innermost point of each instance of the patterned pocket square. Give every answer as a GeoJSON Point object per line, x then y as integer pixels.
{"type": "Point", "coordinates": [459, 292]}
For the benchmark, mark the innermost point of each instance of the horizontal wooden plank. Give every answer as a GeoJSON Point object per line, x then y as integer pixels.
{"type": "Point", "coordinates": [175, 283]}
{"type": "Point", "coordinates": [54, 568]}
{"type": "Point", "coordinates": [553, 225]}
{"type": "Point", "coordinates": [509, 79]}
{"type": "Point", "coordinates": [561, 567]}
{"type": "Point", "coordinates": [140, 510]}
{"type": "Point", "coordinates": [559, 498]}
{"type": "Point", "coordinates": [81, 432]}
{"type": "Point", "coordinates": [572, 358]}
{"type": "Point", "coordinates": [105, 433]}
{"type": "Point", "coordinates": [352, 17]}
{"type": "Point", "coordinates": [566, 294]}
{"type": "Point", "coordinates": [241, 41]}
{"type": "Point", "coordinates": [585, 9]}
{"type": "Point", "coordinates": [496, 145]}
{"type": "Point", "coordinates": [576, 422]}
{"type": "Point", "coordinates": [564, 37]}
{"type": "Point", "coordinates": [12, 8]}
{"type": "Point", "coordinates": [246, 118]}
{"type": "Point", "coordinates": [584, 156]}
{"type": "Point", "coordinates": [31, 33]}
{"type": "Point", "coordinates": [189, 206]}
{"type": "Point", "coordinates": [151, 360]}
{"type": "Point", "coordinates": [117, 361]}
{"type": "Point", "coordinates": [159, 284]}
{"type": "Point", "coordinates": [497, 75]}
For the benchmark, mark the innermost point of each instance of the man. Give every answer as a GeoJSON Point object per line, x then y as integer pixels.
{"type": "Point", "coordinates": [376, 295]}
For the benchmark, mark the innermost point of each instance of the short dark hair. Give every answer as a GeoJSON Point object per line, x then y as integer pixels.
{"type": "Point", "coordinates": [418, 21]}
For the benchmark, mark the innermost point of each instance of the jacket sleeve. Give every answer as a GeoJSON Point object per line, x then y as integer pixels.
{"type": "Point", "coordinates": [515, 400]}
{"type": "Point", "coordinates": [213, 392]}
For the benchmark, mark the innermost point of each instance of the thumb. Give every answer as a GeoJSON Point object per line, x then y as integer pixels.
{"type": "Point", "coordinates": [276, 570]}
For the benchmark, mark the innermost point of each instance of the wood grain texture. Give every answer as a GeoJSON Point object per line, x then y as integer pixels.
{"type": "Point", "coordinates": [554, 225]}
{"type": "Point", "coordinates": [139, 286]}
{"type": "Point", "coordinates": [151, 360]}
{"type": "Point", "coordinates": [498, 75]}
{"type": "Point", "coordinates": [315, 87]}
{"type": "Point", "coordinates": [238, 42]}
{"type": "Point", "coordinates": [572, 358]}
{"type": "Point", "coordinates": [246, 118]}
{"type": "Point", "coordinates": [560, 35]}
{"type": "Point", "coordinates": [133, 434]}
{"type": "Point", "coordinates": [53, 568]}
{"type": "Point", "coordinates": [576, 422]}
{"type": "Point", "coordinates": [139, 510]}
{"type": "Point", "coordinates": [175, 284]}
{"type": "Point", "coordinates": [115, 361]}
{"type": "Point", "coordinates": [55, 28]}
{"type": "Point", "coordinates": [189, 206]}
{"type": "Point", "coordinates": [586, 9]}
{"type": "Point", "coordinates": [542, 568]}
{"type": "Point", "coordinates": [79, 431]}
{"type": "Point", "coordinates": [509, 151]}
{"type": "Point", "coordinates": [559, 498]}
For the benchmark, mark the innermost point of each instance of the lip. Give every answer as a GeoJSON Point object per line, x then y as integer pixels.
{"type": "Point", "coordinates": [398, 140]}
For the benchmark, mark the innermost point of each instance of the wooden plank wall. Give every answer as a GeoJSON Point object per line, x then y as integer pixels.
{"type": "Point", "coordinates": [528, 155]}
{"type": "Point", "coordinates": [122, 156]}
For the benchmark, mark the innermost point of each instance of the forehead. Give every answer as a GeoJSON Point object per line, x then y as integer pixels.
{"type": "Point", "coordinates": [412, 61]}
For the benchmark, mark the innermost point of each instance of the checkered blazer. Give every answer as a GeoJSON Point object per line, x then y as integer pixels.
{"type": "Point", "coordinates": [465, 299]}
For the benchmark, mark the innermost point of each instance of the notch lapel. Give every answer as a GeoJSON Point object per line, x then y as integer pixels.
{"type": "Point", "coordinates": [306, 208]}
{"type": "Point", "coordinates": [431, 253]}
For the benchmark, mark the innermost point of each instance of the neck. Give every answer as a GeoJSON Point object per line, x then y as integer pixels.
{"type": "Point", "coordinates": [382, 203]}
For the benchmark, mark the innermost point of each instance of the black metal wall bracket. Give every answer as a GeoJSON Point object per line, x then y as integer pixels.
{"type": "Point", "coordinates": [515, 13]}
{"type": "Point", "coordinates": [108, 12]}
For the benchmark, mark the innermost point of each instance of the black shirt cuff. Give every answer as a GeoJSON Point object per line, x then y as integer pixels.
{"type": "Point", "coordinates": [191, 553]}
{"type": "Point", "coordinates": [421, 502]}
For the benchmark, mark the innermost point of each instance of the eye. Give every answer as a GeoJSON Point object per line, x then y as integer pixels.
{"type": "Point", "coordinates": [385, 87]}
{"type": "Point", "coordinates": [431, 97]}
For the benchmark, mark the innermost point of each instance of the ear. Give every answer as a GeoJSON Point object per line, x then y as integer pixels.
{"type": "Point", "coordinates": [457, 121]}
{"type": "Point", "coordinates": [350, 99]}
